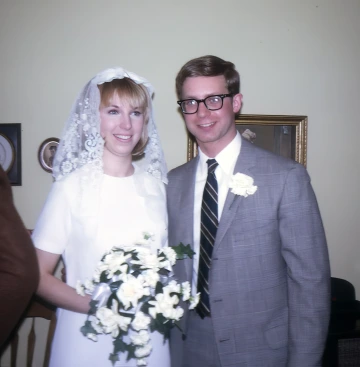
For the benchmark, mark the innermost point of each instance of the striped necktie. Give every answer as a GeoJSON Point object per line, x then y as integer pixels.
{"type": "Point", "coordinates": [209, 225]}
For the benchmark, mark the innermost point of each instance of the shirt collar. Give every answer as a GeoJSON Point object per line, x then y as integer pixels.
{"type": "Point", "coordinates": [226, 158]}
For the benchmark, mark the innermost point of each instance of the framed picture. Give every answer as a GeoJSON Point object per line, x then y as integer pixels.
{"type": "Point", "coordinates": [10, 152]}
{"type": "Point", "coordinates": [47, 152]}
{"type": "Point", "coordinates": [284, 135]}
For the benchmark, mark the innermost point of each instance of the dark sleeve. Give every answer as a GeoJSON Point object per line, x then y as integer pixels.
{"type": "Point", "coordinates": [19, 274]}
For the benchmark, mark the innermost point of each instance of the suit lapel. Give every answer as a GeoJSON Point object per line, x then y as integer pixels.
{"type": "Point", "coordinates": [186, 198]}
{"type": "Point", "coordinates": [246, 160]}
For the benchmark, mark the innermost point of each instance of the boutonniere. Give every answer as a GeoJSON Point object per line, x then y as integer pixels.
{"type": "Point", "coordinates": [243, 185]}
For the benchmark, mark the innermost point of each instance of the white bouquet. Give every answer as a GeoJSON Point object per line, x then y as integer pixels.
{"type": "Point", "coordinates": [133, 291]}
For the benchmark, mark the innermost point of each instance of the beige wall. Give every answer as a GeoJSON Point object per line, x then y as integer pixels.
{"type": "Point", "coordinates": [294, 57]}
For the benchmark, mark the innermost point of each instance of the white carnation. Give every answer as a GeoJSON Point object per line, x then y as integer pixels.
{"type": "Point", "coordinates": [149, 261]}
{"type": "Point", "coordinates": [131, 290]}
{"type": "Point", "coordinates": [80, 289]}
{"type": "Point", "coordinates": [242, 185]}
{"type": "Point", "coordinates": [164, 304]}
{"type": "Point", "coordinates": [92, 336]}
{"type": "Point", "coordinates": [96, 326]}
{"type": "Point", "coordinates": [152, 312]}
{"type": "Point", "coordinates": [116, 261]}
{"type": "Point", "coordinates": [172, 287]}
{"type": "Point", "coordinates": [141, 321]}
{"type": "Point", "coordinates": [96, 275]}
{"type": "Point", "coordinates": [89, 285]}
{"type": "Point", "coordinates": [176, 313]}
{"type": "Point", "coordinates": [194, 301]}
{"type": "Point", "coordinates": [143, 351]}
{"type": "Point", "coordinates": [151, 277]}
{"type": "Point", "coordinates": [185, 291]}
{"type": "Point", "coordinates": [170, 254]}
{"type": "Point", "coordinates": [140, 338]}
{"type": "Point", "coordinates": [111, 320]}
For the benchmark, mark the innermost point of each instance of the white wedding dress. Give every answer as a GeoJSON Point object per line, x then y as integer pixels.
{"type": "Point", "coordinates": [82, 225]}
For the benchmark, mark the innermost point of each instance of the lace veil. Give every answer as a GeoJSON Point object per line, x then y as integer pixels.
{"type": "Point", "coordinates": [81, 145]}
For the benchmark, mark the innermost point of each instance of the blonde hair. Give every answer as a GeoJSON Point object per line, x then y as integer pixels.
{"type": "Point", "coordinates": [136, 95]}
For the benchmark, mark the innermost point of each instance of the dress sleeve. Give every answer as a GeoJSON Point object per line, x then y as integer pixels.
{"type": "Point", "coordinates": [52, 229]}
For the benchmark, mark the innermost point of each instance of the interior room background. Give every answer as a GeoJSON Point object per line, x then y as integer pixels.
{"type": "Point", "coordinates": [294, 58]}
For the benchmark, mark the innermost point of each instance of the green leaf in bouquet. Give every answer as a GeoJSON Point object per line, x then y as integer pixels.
{"type": "Point", "coordinates": [93, 307]}
{"type": "Point", "coordinates": [103, 277]}
{"type": "Point", "coordinates": [103, 258]}
{"type": "Point", "coordinates": [131, 352]}
{"type": "Point", "coordinates": [183, 252]}
{"type": "Point", "coordinates": [145, 299]}
{"type": "Point", "coordinates": [145, 306]}
{"type": "Point", "coordinates": [159, 288]}
{"type": "Point", "coordinates": [134, 255]}
{"type": "Point", "coordinates": [164, 272]}
{"type": "Point", "coordinates": [162, 325]}
{"type": "Point", "coordinates": [87, 328]}
{"type": "Point", "coordinates": [113, 358]}
{"type": "Point", "coordinates": [119, 346]}
{"type": "Point", "coordinates": [137, 271]}
{"type": "Point", "coordinates": [110, 299]}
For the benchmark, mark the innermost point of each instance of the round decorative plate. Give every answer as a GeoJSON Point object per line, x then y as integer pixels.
{"type": "Point", "coordinates": [7, 153]}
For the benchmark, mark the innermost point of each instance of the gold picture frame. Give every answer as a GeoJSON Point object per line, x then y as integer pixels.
{"type": "Point", "coordinates": [285, 135]}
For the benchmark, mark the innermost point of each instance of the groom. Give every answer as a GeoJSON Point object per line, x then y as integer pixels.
{"type": "Point", "coordinates": [261, 259]}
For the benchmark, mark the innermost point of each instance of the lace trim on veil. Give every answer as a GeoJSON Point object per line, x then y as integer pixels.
{"type": "Point", "coordinates": [81, 145]}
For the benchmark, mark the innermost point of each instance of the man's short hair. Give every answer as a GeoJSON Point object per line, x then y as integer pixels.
{"type": "Point", "coordinates": [209, 66]}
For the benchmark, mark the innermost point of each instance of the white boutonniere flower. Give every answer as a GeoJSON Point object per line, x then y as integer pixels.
{"type": "Point", "coordinates": [243, 185]}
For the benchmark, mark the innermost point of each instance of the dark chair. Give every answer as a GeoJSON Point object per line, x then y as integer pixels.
{"type": "Point", "coordinates": [343, 342]}
{"type": "Point", "coordinates": [37, 308]}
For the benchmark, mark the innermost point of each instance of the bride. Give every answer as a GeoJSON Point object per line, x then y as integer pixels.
{"type": "Point", "coordinates": [100, 198]}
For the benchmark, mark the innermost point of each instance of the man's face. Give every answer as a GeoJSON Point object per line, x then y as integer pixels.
{"type": "Point", "coordinates": [213, 130]}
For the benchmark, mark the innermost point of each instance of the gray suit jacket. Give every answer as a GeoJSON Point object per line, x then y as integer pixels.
{"type": "Point", "coordinates": [270, 276]}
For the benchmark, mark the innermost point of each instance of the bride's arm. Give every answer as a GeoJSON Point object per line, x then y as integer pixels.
{"type": "Point", "coordinates": [54, 290]}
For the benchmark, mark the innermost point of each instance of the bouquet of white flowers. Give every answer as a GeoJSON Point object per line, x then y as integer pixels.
{"type": "Point", "coordinates": [133, 291]}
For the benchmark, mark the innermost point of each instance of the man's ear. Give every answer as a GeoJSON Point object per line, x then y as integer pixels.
{"type": "Point", "coordinates": [237, 101]}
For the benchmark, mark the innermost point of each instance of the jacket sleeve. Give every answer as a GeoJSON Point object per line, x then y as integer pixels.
{"type": "Point", "coordinates": [305, 251]}
{"type": "Point", "coordinates": [19, 273]}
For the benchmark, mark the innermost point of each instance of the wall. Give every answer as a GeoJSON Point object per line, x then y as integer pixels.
{"type": "Point", "coordinates": [294, 57]}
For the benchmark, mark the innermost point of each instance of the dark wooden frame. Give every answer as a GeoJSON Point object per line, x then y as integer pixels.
{"type": "Point", "coordinates": [12, 133]}
{"type": "Point", "coordinates": [44, 147]}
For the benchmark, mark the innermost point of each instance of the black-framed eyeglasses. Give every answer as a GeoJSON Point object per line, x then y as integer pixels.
{"type": "Point", "coordinates": [212, 103]}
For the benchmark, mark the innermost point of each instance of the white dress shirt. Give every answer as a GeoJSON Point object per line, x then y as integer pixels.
{"type": "Point", "coordinates": [227, 159]}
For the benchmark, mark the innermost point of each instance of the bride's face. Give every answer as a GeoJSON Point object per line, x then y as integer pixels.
{"type": "Point", "coordinates": [121, 126]}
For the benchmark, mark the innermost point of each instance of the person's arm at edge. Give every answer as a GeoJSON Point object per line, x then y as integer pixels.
{"type": "Point", "coordinates": [19, 274]}
{"type": "Point", "coordinates": [54, 290]}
